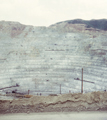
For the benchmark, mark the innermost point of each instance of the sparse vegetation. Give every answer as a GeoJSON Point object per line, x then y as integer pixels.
{"type": "Point", "coordinates": [98, 24]}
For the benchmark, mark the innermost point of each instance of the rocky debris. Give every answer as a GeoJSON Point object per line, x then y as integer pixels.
{"type": "Point", "coordinates": [95, 101]}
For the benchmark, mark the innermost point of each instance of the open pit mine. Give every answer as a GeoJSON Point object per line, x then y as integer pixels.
{"type": "Point", "coordinates": [38, 64]}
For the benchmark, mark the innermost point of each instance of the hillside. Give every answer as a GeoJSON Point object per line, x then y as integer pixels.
{"type": "Point", "coordinates": [97, 24]}
{"type": "Point", "coordinates": [40, 59]}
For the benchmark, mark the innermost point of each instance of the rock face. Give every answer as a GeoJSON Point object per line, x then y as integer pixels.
{"type": "Point", "coordinates": [40, 59]}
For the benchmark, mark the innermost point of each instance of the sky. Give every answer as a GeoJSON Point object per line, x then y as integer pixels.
{"type": "Point", "coordinates": [48, 12]}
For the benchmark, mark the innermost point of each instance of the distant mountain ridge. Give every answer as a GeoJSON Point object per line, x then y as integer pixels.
{"type": "Point", "coordinates": [98, 24]}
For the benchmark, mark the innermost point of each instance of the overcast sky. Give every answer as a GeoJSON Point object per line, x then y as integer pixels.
{"type": "Point", "coordinates": [47, 12]}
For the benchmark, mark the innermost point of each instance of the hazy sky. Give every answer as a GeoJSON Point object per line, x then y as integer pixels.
{"type": "Point", "coordinates": [47, 12]}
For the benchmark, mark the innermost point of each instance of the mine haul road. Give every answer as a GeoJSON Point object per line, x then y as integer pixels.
{"type": "Point", "coordinates": [57, 116]}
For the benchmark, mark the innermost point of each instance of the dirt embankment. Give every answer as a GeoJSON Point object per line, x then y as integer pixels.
{"type": "Point", "coordinates": [94, 101]}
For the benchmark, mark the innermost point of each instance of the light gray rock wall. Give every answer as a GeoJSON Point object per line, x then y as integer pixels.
{"type": "Point", "coordinates": [40, 59]}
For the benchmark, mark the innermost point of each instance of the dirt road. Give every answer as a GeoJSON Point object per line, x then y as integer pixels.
{"type": "Point", "coordinates": [57, 116]}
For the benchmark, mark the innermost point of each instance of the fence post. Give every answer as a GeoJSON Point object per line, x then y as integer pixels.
{"type": "Point", "coordinates": [82, 82]}
{"type": "Point", "coordinates": [28, 92]}
{"type": "Point", "coordinates": [60, 88]}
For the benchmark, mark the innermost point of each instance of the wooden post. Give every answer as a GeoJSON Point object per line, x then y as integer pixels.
{"type": "Point", "coordinates": [82, 82]}
{"type": "Point", "coordinates": [28, 92]}
{"type": "Point", "coordinates": [60, 88]}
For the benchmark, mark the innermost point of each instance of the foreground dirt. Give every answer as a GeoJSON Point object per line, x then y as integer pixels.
{"type": "Point", "coordinates": [95, 101]}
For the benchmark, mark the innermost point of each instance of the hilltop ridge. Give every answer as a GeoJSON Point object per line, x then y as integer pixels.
{"type": "Point", "coordinates": [98, 24]}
